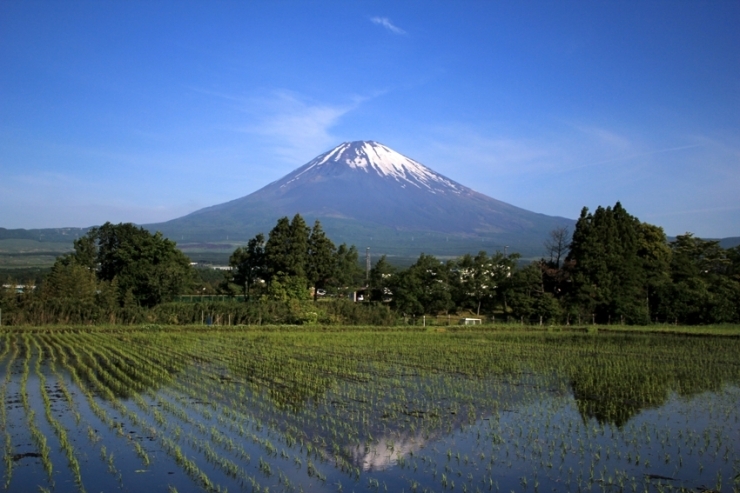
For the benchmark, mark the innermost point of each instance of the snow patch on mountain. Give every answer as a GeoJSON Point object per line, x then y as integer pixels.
{"type": "Point", "coordinates": [370, 157]}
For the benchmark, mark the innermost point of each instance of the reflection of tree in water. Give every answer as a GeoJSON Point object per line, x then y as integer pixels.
{"type": "Point", "coordinates": [284, 381]}
{"type": "Point", "coordinates": [630, 374]}
{"type": "Point", "coordinates": [354, 405]}
{"type": "Point", "coordinates": [610, 403]}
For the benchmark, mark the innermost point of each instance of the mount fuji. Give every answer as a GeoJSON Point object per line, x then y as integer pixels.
{"type": "Point", "coordinates": [367, 194]}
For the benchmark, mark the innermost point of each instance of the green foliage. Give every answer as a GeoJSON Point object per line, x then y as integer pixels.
{"type": "Point", "coordinates": [423, 288]}
{"type": "Point", "coordinates": [348, 272]}
{"type": "Point", "coordinates": [287, 248]}
{"type": "Point", "coordinates": [704, 287]}
{"type": "Point", "coordinates": [381, 279]}
{"type": "Point", "coordinates": [284, 287]}
{"type": "Point", "coordinates": [527, 298]}
{"type": "Point", "coordinates": [479, 282]}
{"type": "Point", "coordinates": [608, 278]}
{"type": "Point", "coordinates": [321, 260]}
{"type": "Point", "coordinates": [293, 259]}
{"type": "Point", "coordinates": [70, 281]}
{"type": "Point", "coordinates": [618, 270]}
{"type": "Point", "coordinates": [145, 266]}
{"type": "Point", "coordinates": [248, 265]}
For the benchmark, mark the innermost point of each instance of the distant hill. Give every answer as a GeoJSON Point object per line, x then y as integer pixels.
{"type": "Point", "coordinates": [730, 242]}
{"type": "Point", "coordinates": [50, 235]}
{"type": "Point", "coordinates": [369, 195]}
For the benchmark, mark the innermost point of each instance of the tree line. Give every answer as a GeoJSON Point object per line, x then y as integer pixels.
{"type": "Point", "coordinates": [294, 262]}
{"type": "Point", "coordinates": [612, 269]}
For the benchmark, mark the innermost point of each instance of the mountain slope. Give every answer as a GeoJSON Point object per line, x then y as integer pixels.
{"type": "Point", "coordinates": [368, 194]}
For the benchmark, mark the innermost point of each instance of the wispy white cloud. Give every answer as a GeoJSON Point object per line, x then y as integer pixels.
{"type": "Point", "coordinates": [386, 23]}
{"type": "Point", "coordinates": [297, 128]}
{"type": "Point", "coordinates": [455, 144]}
{"type": "Point", "coordinates": [605, 137]}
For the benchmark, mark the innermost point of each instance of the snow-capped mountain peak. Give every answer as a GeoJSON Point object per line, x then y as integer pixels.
{"type": "Point", "coordinates": [367, 194]}
{"type": "Point", "coordinates": [373, 157]}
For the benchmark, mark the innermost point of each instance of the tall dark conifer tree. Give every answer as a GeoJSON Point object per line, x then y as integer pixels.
{"type": "Point", "coordinates": [287, 247]}
{"type": "Point", "coordinates": [321, 265]}
{"type": "Point", "coordinates": [607, 274]}
{"type": "Point", "coordinates": [248, 264]}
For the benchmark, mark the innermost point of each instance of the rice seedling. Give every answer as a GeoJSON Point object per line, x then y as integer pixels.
{"type": "Point", "coordinates": [59, 430]}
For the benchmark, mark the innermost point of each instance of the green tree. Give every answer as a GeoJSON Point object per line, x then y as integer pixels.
{"type": "Point", "coordinates": [380, 279]}
{"type": "Point", "coordinates": [285, 288]}
{"type": "Point", "coordinates": [321, 260]}
{"type": "Point", "coordinates": [70, 281]}
{"type": "Point", "coordinates": [703, 288]}
{"type": "Point", "coordinates": [287, 247]}
{"type": "Point", "coordinates": [423, 288]}
{"type": "Point", "coordinates": [248, 265]}
{"type": "Point", "coordinates": [527, 296]}
{"type": "Point", "coordinates": [655, 255]}
{"type": "Point", "coordinates": [147, 268]}
{"type": "Point", "coordinates": [348, 273]}
{"type": "Point", "coordinates": [478, 279]}
{"type": "Point", "coordinates": [606, 271]}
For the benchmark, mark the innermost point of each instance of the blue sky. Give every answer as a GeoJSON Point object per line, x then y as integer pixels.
{"type": "Point", "coordinates": [146, 111]}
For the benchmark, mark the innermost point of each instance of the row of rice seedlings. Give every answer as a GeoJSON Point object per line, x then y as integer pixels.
{"type": "Point", "coordinates": [203, 445]}
{"type": "Point", "coordinates": [139, 377]}
{"type": "Point", "coordinates": [328, 423]}
{"type": "Point", "coordinates": [60, 347]}
{"type": "Point", "coordinates": [597, 453]}
{"type": "Point", "coordinates": [188, 465]}
{"type": "Point", "coordinates": [520, 444]}
{"type": "Point", "coordinates": [38, 437]}
{"type": "Point", "coordinates": [50, 351]}
{"type": "Point", "coordinates": [7, 439]}
{"type": "Point", "coordinates": [339, 461]}
{"type": "Point", "coordinates": [59, 430]}
{"type": "Point", "coordinates": [218, 438]}
{"type": "Point", "coordinates": [100, 412]}
{"type": "Point", "coordinates": [92, 435]}
{"type": "Point", "coordinates": [309, 445]}
{"type": "Point", "coordinates": [110, 373]}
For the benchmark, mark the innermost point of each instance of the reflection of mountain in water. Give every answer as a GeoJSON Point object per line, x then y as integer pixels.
{"type": "Point", "coordinates": [385, 453]}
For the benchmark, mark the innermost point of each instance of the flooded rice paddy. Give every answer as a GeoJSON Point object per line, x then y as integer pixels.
{"type": "Point", "coordinates": [364, 411]}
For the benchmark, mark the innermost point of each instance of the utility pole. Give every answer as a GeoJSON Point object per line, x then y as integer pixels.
{"type": "Point", "coordinates": [367, 266]}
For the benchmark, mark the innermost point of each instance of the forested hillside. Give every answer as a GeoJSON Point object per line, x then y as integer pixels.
{"type": "Point", "coordinates": [612, 269]}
